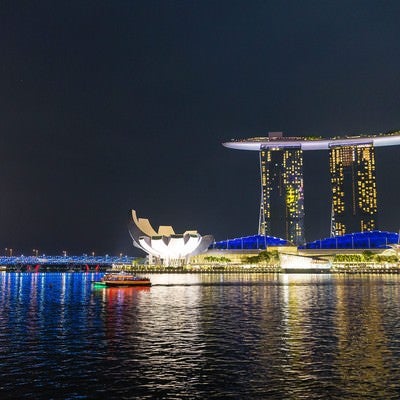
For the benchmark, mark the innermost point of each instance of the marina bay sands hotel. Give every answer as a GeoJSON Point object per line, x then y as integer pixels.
{"type": "Point", "coordinates": [353, 179]}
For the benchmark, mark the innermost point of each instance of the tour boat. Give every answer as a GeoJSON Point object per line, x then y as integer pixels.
{"type": "Point", "coordinates": [123, 279]}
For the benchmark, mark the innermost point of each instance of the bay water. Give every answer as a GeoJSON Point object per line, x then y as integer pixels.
{"type": "Point", "coordinates": [200, 336]}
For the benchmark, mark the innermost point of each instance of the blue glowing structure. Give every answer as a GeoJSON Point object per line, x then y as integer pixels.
{"type": "Point", "coordinates": [65, 260]}
{"type": "Point", "coordinates": [359, 240]}
{"type": "Point", "coordinates": [256, 242]}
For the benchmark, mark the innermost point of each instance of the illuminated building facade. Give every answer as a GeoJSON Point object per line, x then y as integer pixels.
{"type": "Point", "coordinates": [354, 197]}
{"type": "Point", "coordinates": [165, 246]}
{"type": "Point", "coordinates": [352, 167]}
{"type": "Point", "coordinates": [282, 200]}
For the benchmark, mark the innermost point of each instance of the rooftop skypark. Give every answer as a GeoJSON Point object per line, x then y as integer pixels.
{"type": "Point", "coordinates": [313, 142]}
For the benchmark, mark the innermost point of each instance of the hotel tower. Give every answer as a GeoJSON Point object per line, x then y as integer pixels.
{"type": "Point", "coordinates": [353, 181]}
{"type": "Point", "coordinates": [282, 200]}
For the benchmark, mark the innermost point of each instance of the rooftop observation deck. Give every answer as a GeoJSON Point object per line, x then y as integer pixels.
{"type": "Point", "coordinates": [277, 140]}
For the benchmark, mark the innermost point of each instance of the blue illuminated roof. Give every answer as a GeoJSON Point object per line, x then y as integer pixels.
{"type": "Point", "coordinates": [255, 242]}
{"type": "Point", "coordinates": [359, 240]}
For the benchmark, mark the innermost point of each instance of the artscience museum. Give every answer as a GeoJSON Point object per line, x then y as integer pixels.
{"type": "Point", "coordinates": [164, 246]}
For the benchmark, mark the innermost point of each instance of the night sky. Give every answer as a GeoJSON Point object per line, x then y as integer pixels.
{"type": "Point", "coordinates": [112, 105]}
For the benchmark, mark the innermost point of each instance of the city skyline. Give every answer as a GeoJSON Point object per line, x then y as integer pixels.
{"type": "Point", "coordinates": [111, 105]}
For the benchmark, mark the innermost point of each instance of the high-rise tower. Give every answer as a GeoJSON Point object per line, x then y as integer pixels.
{"type": "Point", "coordinates": [282, 200]}
{"type": "Point", "coordinates": [354, 204]}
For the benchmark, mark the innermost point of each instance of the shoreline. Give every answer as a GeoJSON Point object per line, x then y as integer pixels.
{"type": "Point", "coordinates": [393, 269]}
{"type": "Point", "coordinates": [334, 271]}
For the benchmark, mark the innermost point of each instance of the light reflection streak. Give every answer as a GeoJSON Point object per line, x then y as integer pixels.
{"type": "Point", "coordinates": [361, 337]}
{"type": "Point", "coordinates": [301, 333]}
{"type": "Point", "coordinates": [166, 332]}
{"type": "Point", "coordinates": [33, 308]}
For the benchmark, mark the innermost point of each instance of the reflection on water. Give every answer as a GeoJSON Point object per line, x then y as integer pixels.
{"type": "Point", "coordinates": [196, 336]}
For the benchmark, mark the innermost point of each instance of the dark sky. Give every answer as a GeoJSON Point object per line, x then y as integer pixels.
{"type": "Point", "coordinates": [112, 105]}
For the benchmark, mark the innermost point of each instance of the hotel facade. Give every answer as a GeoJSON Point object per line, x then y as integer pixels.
{"type": "Point", "coordinates": [282, 197]}
{"type": "Point", "coordinates": [354, 194]}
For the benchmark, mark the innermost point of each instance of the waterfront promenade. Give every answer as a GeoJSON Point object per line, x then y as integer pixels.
{"type": "Point", "coordinates": [337, 268]}
{"type": "Point", "coordinates": [126, 263]}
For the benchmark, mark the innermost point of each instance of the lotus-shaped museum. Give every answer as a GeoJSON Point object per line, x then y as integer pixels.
{"type": "Point", "coordinates": [165, 246]}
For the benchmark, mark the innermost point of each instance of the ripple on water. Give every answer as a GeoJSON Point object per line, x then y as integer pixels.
{"type": "Point", "coordinates": [200, 336]}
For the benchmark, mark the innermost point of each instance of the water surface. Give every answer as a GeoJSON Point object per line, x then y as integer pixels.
{"type": "Point", "coordinates": [199, 336]}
